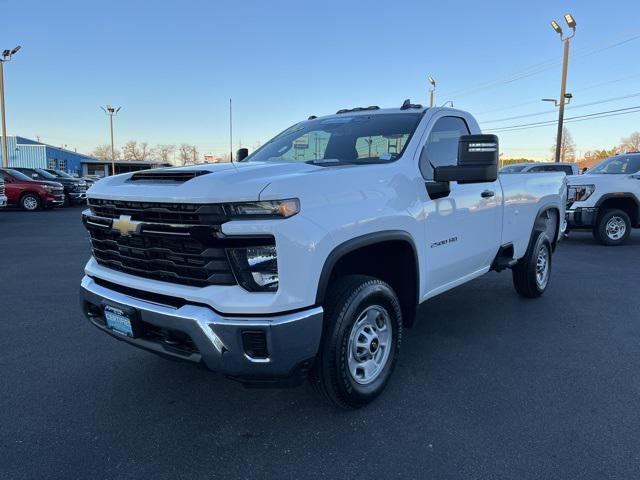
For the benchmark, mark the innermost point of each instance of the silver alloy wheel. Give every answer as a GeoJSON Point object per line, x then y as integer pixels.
{"type": "Point", "coordinates": [615, 228]}
{"type": "Point", "coordinates": [30, 203]}
{"type": "Point", "coordinates": [369, 344]}
{"type": "Point", "coordinates": [542, 267]}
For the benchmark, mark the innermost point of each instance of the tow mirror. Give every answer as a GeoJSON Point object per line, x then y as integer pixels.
{"type": "Point", "coordinates": [477, 161]}
{"type": "Point", "coordinates": [241, 154]}
{"type": "Point", "coordinates": [34, 176]}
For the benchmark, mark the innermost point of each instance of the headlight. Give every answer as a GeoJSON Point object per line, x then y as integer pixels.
{"type": "Point", "coordinates": [50, 188]}
{"type": "Point", "coordinates": [265, 209]}
{"type": "Point", "coordinates": [256, 268]}
{"type": "Point", "coordinates": [579, 193]}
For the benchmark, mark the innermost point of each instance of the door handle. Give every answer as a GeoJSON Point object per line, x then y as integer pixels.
{"type": "Point", "coordinates": [487, 194]}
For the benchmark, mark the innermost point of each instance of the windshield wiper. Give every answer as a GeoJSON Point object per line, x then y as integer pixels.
{"type": "Point", "coordinates": [329, 162]}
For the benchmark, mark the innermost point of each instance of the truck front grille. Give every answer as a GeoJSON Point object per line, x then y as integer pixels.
{"type": "Point", "coordinates": [180, 213]}
{"type": "Point", "coordinates": [178, 260]}
{"type": "Point", "coordinates": [1, 188]}
{"type": "Point", "coordinates": [192, 252]}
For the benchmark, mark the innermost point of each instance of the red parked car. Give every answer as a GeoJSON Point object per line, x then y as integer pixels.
{"type": "Point", "coordinates": [30, 194]}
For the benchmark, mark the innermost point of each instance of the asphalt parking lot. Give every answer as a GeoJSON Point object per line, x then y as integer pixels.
{"type": "Point", "coordinates": [488, 385]}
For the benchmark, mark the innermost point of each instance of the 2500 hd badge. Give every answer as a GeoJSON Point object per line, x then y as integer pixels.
{"type": "Point", "coordinates": [444, 242]}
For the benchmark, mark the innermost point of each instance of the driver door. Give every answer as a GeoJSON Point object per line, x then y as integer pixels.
{"type": "Point", "coordinates": [463, 227]}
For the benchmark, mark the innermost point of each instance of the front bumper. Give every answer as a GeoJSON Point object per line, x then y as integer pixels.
{"type": "Point", "coordinates": [292, 339]}
{"type": "Point", "coordinates": [581, 217]}
{"type": "Point", "coordinates": [78, 197]}
{"type": "Point", "coordinates": [3, 201]}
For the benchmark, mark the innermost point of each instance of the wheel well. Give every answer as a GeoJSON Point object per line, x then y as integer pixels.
{"type": "Point", "coordinates": [392, 261]}
{"type": "Point", "coordinates": [626, 204]}
{"type": "Point", "coordinates": [29, 192]}
{"type": "Point", "coordinates": [547, 215]}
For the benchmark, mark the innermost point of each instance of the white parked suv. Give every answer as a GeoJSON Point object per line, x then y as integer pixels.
{"type": "Point", "coordinates": [309, 257]}
{"type": "Point", "coordinates": [606, 199]}
{"type": "Point", "coordinates": [540, 167]}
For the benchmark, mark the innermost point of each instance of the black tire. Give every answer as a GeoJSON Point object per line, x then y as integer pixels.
{"type": "Point", "coordinates": [67, 201]}
{"type": "Point", "coordinates": [30, 202]}
{"type": "Point", "coordinates": [525, 274]}
{"type": "Point", "coordinates": [348, 300]}
{"type": "Point", "coordinates": [609, 225]}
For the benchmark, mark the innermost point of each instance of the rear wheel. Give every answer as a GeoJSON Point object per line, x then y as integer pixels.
{"type": "Point", "coordinates": [30, 202]}
{"type": "Point", "coordinates": [532, 272]}
{"type": "Point", "coordinates": [360, 343]}
{"type": "Point", "coordinates": [613, 227]}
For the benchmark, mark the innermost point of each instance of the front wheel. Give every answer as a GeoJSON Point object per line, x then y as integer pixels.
{"type": "Point", "coordinates": [532, 272]}
{"type": "Point", "coordinates": [613, 227]}
{"type": "Point", "coordinates": [30, 202]}
{"type": "Point", "coordinates": [360, 341]}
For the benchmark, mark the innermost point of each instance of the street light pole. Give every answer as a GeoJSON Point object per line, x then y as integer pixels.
{"type": "Point", "coordinates": [111, 112]}
{"type": "Point", "coordinates": [563, 85]}
{"type": "Point", "coordinates": [6, 56]}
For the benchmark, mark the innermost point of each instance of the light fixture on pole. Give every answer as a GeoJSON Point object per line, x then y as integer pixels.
{"type": "Point", "coordinates": [111, 112]}
{"type": "Point", "coordinates": [563, 86]}
{"type": "Point", "coordinates": [6, 56]}
{"type": "Point", "coordinates": [432, 90]}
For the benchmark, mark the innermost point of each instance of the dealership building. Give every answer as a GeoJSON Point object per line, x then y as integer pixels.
{"type": "Point", "coordinates": [24, 152]}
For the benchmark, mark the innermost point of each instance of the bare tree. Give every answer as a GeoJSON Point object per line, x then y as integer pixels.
{"type": "Point", "coordinates": [194, 152]}
{"type": "Point", "coordinates": [185, 154]}
{"type": "Point", "coordinates": [631, 143]}
{"type": "Point", "coordinates": [164, 153]}
{"type": "Point", "coordinates": [593, 157]}
{"type": "Point", "coordinates": [133, 150]}
{"type": "Point", "coordinates": [103, 152]}
{"type": "Point", "coordinates": [567, 147]}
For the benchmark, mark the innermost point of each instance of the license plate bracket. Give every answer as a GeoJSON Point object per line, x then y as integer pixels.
{"type": "Point", "coordinates": [120, 319]}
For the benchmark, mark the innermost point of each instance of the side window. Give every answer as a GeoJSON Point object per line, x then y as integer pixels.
{"type": "Point", "coordinates": [441, 147]}
{"type": "Point", "coordinates": [536, 169]}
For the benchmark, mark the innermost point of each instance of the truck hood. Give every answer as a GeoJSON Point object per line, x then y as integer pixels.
{"type": "Point", "coordinates": [212, 183]}
{"type": "Point", "coordinates": [595, 178]}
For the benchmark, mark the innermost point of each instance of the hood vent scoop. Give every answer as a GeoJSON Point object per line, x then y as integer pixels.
{"type": "Point", "coordinates": [166, 176]}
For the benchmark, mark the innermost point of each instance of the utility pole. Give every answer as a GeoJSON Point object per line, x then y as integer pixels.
{"type": "Point", "coordinates": [6, 56]}
{"type": "Point", "coordinates": [111, 112]}
{"type": "Point", "coordinates": [431, 90]}
{"type": "Point", "coordinates": [230, 132]}
{"type": "Point", "coordinates": [563, 85]}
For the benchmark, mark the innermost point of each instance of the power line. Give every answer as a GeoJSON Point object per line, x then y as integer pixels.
{"type": "Point", "coordinates": [597, 102]}
{"type": "Point", "coordinates": [532, 70]}
{"type": "Point", "coordinates": [590, 87]}
{"type": "Point", "coordinates": [590, 116]}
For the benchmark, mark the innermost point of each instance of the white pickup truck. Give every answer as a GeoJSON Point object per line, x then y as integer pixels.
{"type": "Point", "coordinates": [307, 258]}
{"type": "Point", "coordinates": [606, 199]}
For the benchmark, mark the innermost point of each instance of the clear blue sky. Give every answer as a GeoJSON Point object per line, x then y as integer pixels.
{"type": "Point", "coordinates": [173, 66]}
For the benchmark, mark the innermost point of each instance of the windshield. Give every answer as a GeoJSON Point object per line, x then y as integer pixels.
{"type": "Point", "coordinates": [513, 168]}
{"type": "Point", "coordinates": [45, 174]}
{"type": "Point", "coordinates": [343, 139]}
{"type": "Point", "coordinates": [617, 165]}
{"type": "Point", "coordinates": [60, 173]}
{"type": "Point", "coordinates": [18, 175]}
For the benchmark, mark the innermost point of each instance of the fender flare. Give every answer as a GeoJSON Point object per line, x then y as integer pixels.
{"type": "Point", "coordinates": [536, 225]}
{"type": "Point", "coordinates": [356, 243]}
{"type": "Point", "coordinates": [617, 195]}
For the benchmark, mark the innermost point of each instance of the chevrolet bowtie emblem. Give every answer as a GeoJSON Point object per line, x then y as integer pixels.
{"type": "Point", "coordinates": [125, 225]}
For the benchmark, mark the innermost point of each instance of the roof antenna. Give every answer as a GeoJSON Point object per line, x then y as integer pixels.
{"type": "Point", "coordinates": [405, 104]}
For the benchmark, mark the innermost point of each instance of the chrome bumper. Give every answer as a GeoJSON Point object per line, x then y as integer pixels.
{"type": "Point", "coordinates": [292, 339]}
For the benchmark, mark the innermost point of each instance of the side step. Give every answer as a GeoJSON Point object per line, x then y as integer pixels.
{"type": "Point", "coordinates": [504, 258]}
